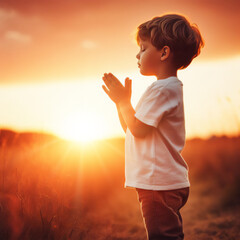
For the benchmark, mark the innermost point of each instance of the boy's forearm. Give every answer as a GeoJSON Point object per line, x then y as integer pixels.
{"type": "Point", "coordinates": [123, 124]}
{"type": "Point", "coordinates": [134, 125]}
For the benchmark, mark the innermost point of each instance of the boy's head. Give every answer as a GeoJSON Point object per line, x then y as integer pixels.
{"type": "Point", "coordinates": [174, 31]}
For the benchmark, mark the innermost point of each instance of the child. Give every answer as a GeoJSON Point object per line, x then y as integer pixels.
{"type": "Point", "coordinates": [155, 132]}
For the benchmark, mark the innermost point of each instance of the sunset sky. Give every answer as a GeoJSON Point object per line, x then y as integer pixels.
{"type": "Point", "coordinates": [54, 53]}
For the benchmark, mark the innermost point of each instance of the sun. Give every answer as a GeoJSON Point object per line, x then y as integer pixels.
{"type": "Point", "coordinates": [81, 127]}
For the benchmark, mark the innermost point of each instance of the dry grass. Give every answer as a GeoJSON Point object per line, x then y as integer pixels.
{"type": "Point", "coordinates": [51, 189]}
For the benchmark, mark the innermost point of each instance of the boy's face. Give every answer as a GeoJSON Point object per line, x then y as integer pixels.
{"type": "Point", "coordinates": [149, 58]}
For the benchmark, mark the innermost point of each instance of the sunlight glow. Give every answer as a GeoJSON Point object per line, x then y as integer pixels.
{"type": "Point", "coordinates": [80, 127]}
{"type": "Point", "coordinates": [79, 110]}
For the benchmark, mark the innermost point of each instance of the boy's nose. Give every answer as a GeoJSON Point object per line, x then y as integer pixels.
{"type": "Point", "coordinates": [137, 56]}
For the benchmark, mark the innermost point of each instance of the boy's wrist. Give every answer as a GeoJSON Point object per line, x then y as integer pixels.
{"type": "Point", "coordinates": [123, 102]}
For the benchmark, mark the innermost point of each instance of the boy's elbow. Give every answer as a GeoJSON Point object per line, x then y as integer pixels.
{"type": "Point", "coordinates": [141, 131]}
{"type": "Point", "coordinates": [139, 134]}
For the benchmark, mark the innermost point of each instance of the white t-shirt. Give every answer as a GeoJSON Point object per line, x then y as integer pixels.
{"type": "Point", "coordinates": [155, 162]}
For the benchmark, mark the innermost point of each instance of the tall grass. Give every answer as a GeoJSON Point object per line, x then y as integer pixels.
{"type": "Point", "coordinates": [216, 162]}
{"type": "Point", "coordinates": [52, 189]}
{"type": "Point", "coordinates": [48, 185]}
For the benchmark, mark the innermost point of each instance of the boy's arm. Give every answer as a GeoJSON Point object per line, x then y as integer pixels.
{"type": "Point", "coordinates": [136, 127]}
{"type": "Point", "coordinates": [123, 124]}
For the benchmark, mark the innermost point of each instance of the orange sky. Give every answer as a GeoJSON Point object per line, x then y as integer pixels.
{"type": "Point", "coordinates": [54, 53]}
{"type": "Point", "coordinates": [56, 39]}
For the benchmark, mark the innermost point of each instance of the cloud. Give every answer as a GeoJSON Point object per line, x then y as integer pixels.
{"type": "Point", "coordinates": [88, 44]}
{"type": "Point", "coordinates": [69, 37]}
{"type": "Point", "coordinates": [6, 14]}
{"type": "Point", "coordinates": [18, 37]}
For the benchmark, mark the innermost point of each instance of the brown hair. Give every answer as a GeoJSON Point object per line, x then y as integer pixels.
{"type": "Point", "coordinates": [174, 31]}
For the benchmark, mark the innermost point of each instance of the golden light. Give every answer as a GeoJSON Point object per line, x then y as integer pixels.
{"type": "Point", "coordinates": [81, 127]}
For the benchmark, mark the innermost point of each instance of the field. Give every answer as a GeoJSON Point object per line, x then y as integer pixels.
{"type": "Point", "coordinates": [54, 189]}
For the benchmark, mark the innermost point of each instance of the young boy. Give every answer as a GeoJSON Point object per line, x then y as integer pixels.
{"type": "Point", "coordinates": [155, 132]}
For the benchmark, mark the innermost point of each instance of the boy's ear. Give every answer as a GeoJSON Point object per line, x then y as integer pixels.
{"type": "Point", "coordinates": [165, 52]}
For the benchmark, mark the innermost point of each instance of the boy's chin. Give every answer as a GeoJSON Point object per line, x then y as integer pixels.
{"type": "Point", "coordinates": [147, 73]}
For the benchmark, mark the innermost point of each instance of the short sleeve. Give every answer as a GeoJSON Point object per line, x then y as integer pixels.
{"type": "Point", "coordinates": [154, 106]}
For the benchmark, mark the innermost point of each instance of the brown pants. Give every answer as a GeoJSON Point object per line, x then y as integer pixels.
{"type": "Point", "coordinates": [160, 211]}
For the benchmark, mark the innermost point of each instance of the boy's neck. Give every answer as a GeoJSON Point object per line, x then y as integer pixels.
{"type": "Point", "coordinates": [166, 74]}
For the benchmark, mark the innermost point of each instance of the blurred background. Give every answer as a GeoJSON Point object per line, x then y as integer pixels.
{"type": "Point", "coordinates": [61, 144]}
{"type": "Point", "coordinates": [54, 54]}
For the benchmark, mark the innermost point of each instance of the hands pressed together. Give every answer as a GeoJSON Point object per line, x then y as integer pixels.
{"type": "Point", "coordinates": [115, 90]}
{"type": "Point", "coordinates": [121, 96]}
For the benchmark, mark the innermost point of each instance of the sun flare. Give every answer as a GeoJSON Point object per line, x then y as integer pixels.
{"type": "Point", "coordinates": [81, 127]}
